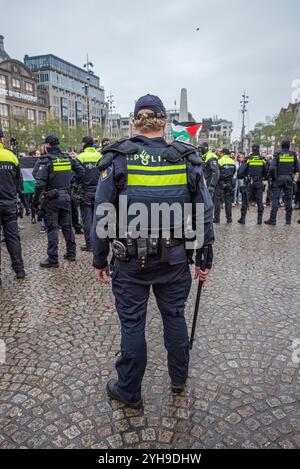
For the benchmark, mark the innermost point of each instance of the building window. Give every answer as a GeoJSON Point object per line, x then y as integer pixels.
{"type": "Point", "coordinates": [18, 111]}
{"type": "Point", "coordinates": [16, 83]}
{"type": "Point", "coordinates": [64, 109]}
{"type": "Point", "coordinates": [31, 114]}
{"type": "Point", "coordinates": [3, 110]}
{"type": "Point", "coordinates": [29, 87]}
{"type": "Point", "coordinates": [3, 80]}
{"type": "Point", "coordinates": [42, 116]}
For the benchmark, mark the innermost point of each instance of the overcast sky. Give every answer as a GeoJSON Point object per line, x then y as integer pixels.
{"type": "Point", "coordinates": [153, 46]}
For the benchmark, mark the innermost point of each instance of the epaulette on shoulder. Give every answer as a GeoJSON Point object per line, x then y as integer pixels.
{"type": "Point", "coordinates": [178, 150]}
{"type": "Point", "coordinates": [123, 147]}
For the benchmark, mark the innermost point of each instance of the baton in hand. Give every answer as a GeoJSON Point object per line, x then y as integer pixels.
{"type": "Point", "coordinates": [199, 291]}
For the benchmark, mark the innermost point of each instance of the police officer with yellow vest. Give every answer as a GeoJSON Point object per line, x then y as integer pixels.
{"type": "Point", "coordinates": [89, 159]}
{"type": "Point", "coordinates": [147, 172]}
{"type": "Point", "coordinates": [225, 186]}
{"type": "Point", "coordinates": [11, 184]}
{"type": "Point", "coordinates": [53, 180]}
{"type": "Point", "coordinates": [252, 172]}
{"type": "Point", "coordinates": [211, 168]}
{"type": "Point", "coordinates": [282, 169]}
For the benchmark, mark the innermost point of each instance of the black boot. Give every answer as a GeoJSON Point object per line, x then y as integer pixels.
{"type": "Point", "coordinates": [20, 275]}
{"type": "Point", "coordinates": [259, 219]}
{"type": "Point", "coordinates": [113, 393]}
{"type": "Point", "coordinates": [270, 222]}
{"type": "Point", "coordinates": [242, 221]}
{"type": "Point", "coordinates": [69, 258]}
{"type": "Point", "coordinates": [178, 388]}
{"type": "Point", "coordinates": [47, 264]}
{"type": "Point", "coordinates": [86, 249]}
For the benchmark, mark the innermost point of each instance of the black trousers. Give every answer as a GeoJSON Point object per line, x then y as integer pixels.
{"type": "Point", "coordinates": [8, 221]}
{"type": "Point", "coordinates": [27, 202]}
{"type": "Point", "coordinates": [283, 185]}
{"type": "Point", "coordinates": [223, 193]}
{"type": "Point", "coordinates": [253, 192]}
{"type": "Point", "coordinates": [58, 214]}
{"type": "Point", "coordinates": [87, 213]}
{"type": "Point", "coordinates": [131, 286]}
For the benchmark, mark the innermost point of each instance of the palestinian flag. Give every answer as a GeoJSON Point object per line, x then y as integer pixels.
{"type": "Point", "coordinates": [184, 131]}
{"type": "Point", "coordinates": [27, 164]}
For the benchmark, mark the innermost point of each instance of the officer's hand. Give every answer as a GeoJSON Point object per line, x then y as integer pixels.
{"type": "Point", "coordinates": [202, 275]}
{"type": "Point", "coordinates": [103, 275]}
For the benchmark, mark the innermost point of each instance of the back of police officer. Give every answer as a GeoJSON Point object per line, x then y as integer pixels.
{"type": "Point", "coordinates": [53, 180]}
{"type": "Point", "coordinates": [11, 184]}
{"type": "Point", "coordinates": [146, 170]}
{"type": "Point", "coordinates": [253, 172]}
{"type": "Point", "coordinates": [282, 169]}
{"type": "Point", "coordinates": [225, 186]}
{"type": "Point", "coordinates": [211, 168]}
{"type": "Point", "coordinates": [89, 159]}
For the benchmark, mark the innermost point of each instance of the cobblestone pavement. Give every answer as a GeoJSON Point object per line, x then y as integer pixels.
{"type": "Point", "coordinates": [62, 334]}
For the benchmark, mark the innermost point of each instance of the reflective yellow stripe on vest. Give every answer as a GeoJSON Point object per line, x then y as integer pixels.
{"type": "Point", "coordinates": [148, 179]}
{"type": "Point", "coordinates": [62, 164]}
{"type": "Point", "coordinates": [286, 159]}
{"type": "Point", "coordinates": [255, 163]}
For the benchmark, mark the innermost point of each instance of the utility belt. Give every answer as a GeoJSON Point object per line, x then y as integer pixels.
{"type": "Point", "coordinates": [143, 248]}
{"type": "Point", "coordinates": [226, 184]}
{"type": "Point", "coordinates": [253, 179]}
{"type": "Point", "coordinates": [54, 193]}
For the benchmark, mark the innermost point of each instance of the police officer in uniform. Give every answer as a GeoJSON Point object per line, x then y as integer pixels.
{"type": "Point", "coordinates": [253, 171]}
{"type": "Point", "coordinates": [11, 184]}
{"type": "Point", "coordinates": [283, 166]}
{"type": "Point", "coordinates": [148, 171]}
{"type": "Point", "coordinates": [53, 181]}
{"type": "Point", "coordinates": [224, 187]}
{"type": "Point", "coordinates": [89, 159]}
{"type": "Point", "coordinates": [211, 168]}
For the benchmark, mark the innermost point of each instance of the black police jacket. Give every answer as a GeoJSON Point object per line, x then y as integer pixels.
{"type": "Point", "coordinates": [55, 172]}
{"type": "Point", "coordinates": [11, 181]}
{"type": "Point", "coordinates": [150, 171]}
{"type": "Point", "coordinates": [284, 163]}
{"type": "Point", "coordinates": [254, 168]}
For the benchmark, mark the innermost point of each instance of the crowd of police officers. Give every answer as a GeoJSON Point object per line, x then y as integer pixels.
{"type": "Point", "coordinates": [145, 169]}
{"type": "Point", "coordinates": [56, 172]}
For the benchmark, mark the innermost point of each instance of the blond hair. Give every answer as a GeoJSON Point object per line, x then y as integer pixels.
{"type": "Point", "coordinates": [146, 121]}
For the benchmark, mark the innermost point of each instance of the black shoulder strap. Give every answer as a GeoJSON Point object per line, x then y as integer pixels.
{"type": "Point", "coordinates": [178, 150]}
{"type": "Point", "coordinates": [123, 147]}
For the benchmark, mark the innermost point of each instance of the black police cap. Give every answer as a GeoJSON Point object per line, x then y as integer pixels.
{"type": "Point", "coordinates": [225, 151]}
{"type": "Point", "coordinates": [154, 103]}
{"type": "Point", "coordinates": [52, 140]}
{"type": "Point", "coordinates": [255, 148]}
{"type": "Point", "coordinates": [88, 140]}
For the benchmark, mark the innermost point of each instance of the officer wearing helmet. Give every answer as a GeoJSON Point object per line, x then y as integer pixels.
{"type": "Point", "coordinates": [11, 184]}
{"type": "Point", "coordinates": [147, 172]}
{"type": "Point", "coordinates": [53, 183]}
{"type": "Point", "coordinates": [253, 172]}
{"type": "Point", "coordinates": [282, 169]}
{"type": "Point", "coordinates": [225, 186]}
{"type": "Point", "coordinates": [211, 168]}
{"type": "Point", "coordinates": [89, 159]}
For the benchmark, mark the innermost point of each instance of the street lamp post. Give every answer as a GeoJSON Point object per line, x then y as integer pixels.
{"type": "Point", "coordinates": [111, 108]}
{"type": "Point", "coordinates": [244, 103]}
{"type": "Point", "coordinates": [88, 66]}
